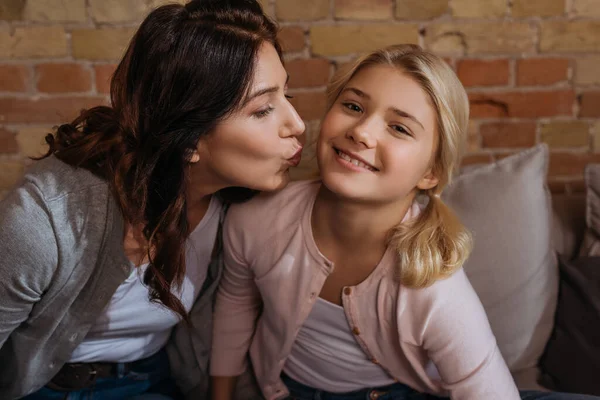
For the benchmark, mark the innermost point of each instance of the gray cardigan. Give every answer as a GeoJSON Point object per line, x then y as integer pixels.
{"type": "Point", "coordinates": [61, 260]}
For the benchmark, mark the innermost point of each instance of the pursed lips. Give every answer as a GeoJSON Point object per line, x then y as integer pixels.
{"type": "Point", "coordinates": [296, 158]}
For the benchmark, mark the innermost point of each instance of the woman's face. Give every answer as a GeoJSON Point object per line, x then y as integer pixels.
{"type": "Point", "coordinates": [256, 145]}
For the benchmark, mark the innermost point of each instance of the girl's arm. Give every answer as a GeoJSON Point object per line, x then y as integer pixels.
{"type": "Point", "coordinates": [237, 308]}
{"type": "Point", "coordinates": [28, 255]}
{"type": "Point", "coordinates": [458, 339]}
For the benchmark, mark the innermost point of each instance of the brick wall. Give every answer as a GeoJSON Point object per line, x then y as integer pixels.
{"type": "Point", "coordinates": [531, 67]}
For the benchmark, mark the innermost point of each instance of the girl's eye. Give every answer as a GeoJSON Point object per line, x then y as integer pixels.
{"type": "Point", "coordinates": [352, 107]}
{"type": "Point", "coordinates": [263, 113]}
{"type": "Point", "coordinates": [400, 129]}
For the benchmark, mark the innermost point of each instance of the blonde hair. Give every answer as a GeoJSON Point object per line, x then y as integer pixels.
{"type": "Point", "coordinates": [435, 244]}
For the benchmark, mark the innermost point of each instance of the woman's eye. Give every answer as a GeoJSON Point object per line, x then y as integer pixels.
{"type": "Point", "coordinates": [352, 107]}
{"type": "Point", "coordinates": [287, 96]}
{"type": "Point", "coordinates": [263, 113]}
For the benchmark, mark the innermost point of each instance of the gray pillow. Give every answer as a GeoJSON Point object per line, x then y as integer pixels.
{"type": "Point", "coordinates": [513, 268]}
{"type": "Point", "coordinates": [591, 239]}
{"type": "Point", "coordinates": [572, 358]}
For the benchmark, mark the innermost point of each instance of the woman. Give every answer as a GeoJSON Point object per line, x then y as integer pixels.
{"type": "Point", "coordinates": [106, 243]}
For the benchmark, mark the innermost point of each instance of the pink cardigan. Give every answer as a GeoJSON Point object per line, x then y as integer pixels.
{"type": "Point", "coordinates": [274, 273]}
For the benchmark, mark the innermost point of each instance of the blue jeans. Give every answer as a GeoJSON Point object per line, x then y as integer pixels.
{"type": "Point", "coordinates": [399, 391]}
{"type": "Point", "coordinates": [148, 379]}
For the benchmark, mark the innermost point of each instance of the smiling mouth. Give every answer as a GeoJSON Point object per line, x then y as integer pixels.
{"type": "Point", "coordinates": [358, 163]}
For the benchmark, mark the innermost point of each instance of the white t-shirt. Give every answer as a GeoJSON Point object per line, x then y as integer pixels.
{"type": "Point", "coordinates": [131, 327]}
{"type": "Point", "coordinates": [326, 355]}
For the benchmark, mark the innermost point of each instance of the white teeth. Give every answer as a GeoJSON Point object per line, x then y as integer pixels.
{"type": "Point", "coordinates": [354, 161]}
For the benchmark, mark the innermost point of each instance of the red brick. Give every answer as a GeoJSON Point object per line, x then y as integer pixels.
{"type": "Point", "coordinates": [46, 110]}
{"type": "Point", "coordinates": [542, 71]}
{"type": "Point", "coordinates": [570, 164]}
{"type": "Point", "coordinates": [507, 134]}
{"type": "Point", "coordinates": [310, 105]}
{"type": "Point", "coordinates": [291, 38]}
{"type": "Point", "coordinates": [483, 72]}
{"type": "Point", "coordinates": [590, 104]}
{"type": "Point", "coordinates": [471, 159]}
{"type": "Point", "coordinates": [63, 78]}
{"type": "Point", "coordinates": [522, 104]}
{"type": "Point", "coordinates": [104, 74]}
{"type": "Point", "coordinates": [308, 73]}
{"type": "Point", "coordinates": [8, 142]}
{"type": "Point", "coordinates": [13, 78]}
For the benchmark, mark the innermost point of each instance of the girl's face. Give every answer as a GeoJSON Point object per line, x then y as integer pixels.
{"type": "Point", "coordinates": [256, 145]}
{"type": "Point", "coordinates": [378, 140]}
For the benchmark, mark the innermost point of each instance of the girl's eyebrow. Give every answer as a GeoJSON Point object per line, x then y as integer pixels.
{"type": "Point", "coordinates": [396, 111]}
{"type": "Point", "coordinates": [405, 115]}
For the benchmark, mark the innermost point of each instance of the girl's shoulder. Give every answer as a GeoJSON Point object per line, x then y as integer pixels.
{"type": "Point", "coordinates": [456, 286]}
{"type": "Point", "coordinates": [446, 296]}
{"type": "Point", "coordinates": [449, 307]}
{"type": "Point", "coordinates": [287, 203]}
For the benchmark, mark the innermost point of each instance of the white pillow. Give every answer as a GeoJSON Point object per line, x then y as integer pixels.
{"type": "Point", "coordinates": [513, 268]}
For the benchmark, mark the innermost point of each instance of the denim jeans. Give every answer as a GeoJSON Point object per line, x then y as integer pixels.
{"type": "Point", "coordinates": [148, 379]}
{"type": "Point", "coordinates": [399, 391]}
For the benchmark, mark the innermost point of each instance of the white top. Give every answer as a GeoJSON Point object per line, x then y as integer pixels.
{"type": "Point", "coordinates": [326, 356]}
{"type": "Point", "coordinates": [131, 327]}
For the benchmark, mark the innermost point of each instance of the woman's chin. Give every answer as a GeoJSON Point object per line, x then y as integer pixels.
{"type": "Point", "coordinates": [276, 182]}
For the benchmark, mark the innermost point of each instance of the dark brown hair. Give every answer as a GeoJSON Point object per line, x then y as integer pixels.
{"type": "Point", "coordinates": [186, 68]}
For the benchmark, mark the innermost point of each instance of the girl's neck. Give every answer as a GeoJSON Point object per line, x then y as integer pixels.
{"type": "Point", "coordinates": [345, 226]}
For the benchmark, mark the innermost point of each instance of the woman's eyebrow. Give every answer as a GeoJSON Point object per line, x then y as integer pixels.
{"type": "Point", "coordinates": [260, 92]}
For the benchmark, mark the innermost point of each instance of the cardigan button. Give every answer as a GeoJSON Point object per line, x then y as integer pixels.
{"type": "Point", "coordinates": [347, 291]}
{"type": "Point", "coordinates": [355, 331]}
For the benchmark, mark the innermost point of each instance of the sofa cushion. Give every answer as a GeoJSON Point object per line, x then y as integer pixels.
{"type": "Point", "coordinates": [575, 340]}
{"type": "Point", "coordinates": [507, 207]}
{"type": "Point", "coordinates": [591, 239]}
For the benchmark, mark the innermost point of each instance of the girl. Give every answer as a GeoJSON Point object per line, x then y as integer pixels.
{"type": "Point", "coordinates": [351, 287]}
{"type": "Point", "coordinates": [105, 245]}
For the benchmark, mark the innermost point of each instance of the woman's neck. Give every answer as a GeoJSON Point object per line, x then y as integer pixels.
{"type": "Point", "coordinates": [348, 226]}
{"type": "Point", "coordinates": [200, 187]}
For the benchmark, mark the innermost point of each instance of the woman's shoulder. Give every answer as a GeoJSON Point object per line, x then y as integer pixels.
{"type": "Point", "coordinates": [56, 179]}
{"type": "Point", "coordinates": [71, 199]}
{"type": "Point", "coordinates": [268, 218]}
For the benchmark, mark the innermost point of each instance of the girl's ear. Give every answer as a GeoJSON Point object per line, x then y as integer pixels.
{"type": "Point", "coordinates": [428, 181]}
